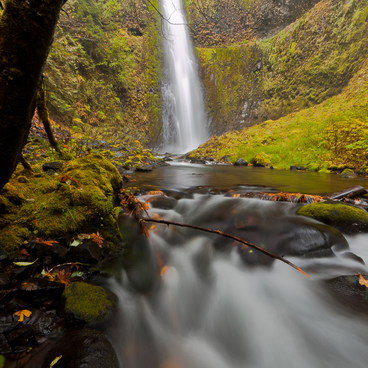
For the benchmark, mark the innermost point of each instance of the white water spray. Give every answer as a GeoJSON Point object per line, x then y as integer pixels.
{"type": "Point", "coordinates": [184, 115]}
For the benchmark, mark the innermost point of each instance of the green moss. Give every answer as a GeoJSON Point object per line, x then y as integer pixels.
{"type": "Point", "coordinates": [88, 303]}
{"type": "Point", "coordinates": [80, 199]}
{"type": "Point", "coordinates": [261, 159]}
{"type": "Point", "coordinates": [340, 215]}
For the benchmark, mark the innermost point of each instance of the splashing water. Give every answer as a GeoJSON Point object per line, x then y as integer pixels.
{"type": "Point", "coordinates": [184, 116]}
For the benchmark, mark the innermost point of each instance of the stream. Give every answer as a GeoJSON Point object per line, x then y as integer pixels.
{"type": "Point", "coordinates": [189, 300]}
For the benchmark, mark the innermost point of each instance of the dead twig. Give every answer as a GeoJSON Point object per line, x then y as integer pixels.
{"type": "Point", "coordinates": [226, 235]}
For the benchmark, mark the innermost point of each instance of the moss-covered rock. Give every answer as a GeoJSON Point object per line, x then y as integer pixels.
{"type": "Point", "coordinates": [80, 199]}
{"type": "Point", "coordinates": [261, 160]}
{"type": "Point", "coordinates": [346, 218]}
{"type": "Point", "coordinates": [88, 303]}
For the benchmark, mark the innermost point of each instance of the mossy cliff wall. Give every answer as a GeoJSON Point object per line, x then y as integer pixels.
{"type": "Point", "coordinates": [103, 73]}
{"type": "Point", "coordinates": [309, 61]}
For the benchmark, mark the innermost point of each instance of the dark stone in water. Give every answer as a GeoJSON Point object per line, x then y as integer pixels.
{"type": "Point", "coordinates": [4, 346]}
{"type": "Point", "coordinates": [287, 236]}
{"type": "Point", "coordinates": [348, 291]}
{"type": "Point", "coordinates": [297, 168]}
{"type": "Point", "coordinates": [81, 348]}
{"type": "Point", "coordinates": [197, 161]}
{"type": "Point", "coordinates": [39, 290]}
{"type": "Point", "coordinates": [240, 162]}
{"type": "Point", "coordinates": [87, 252]}
{"type": "Point", "coordinates": [163, 202]}
{"type": "Point", "coordinates": [4, 281]}
{"type": "Point", "coordinates": [144, 168]}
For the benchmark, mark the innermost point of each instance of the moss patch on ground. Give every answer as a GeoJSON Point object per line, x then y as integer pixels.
{"type": "Point", "coordinates": [88, 303]}
{"type": "Point", "coordinates": [347, 218]}
{"type": "Point", "coordinates": [81, 198]}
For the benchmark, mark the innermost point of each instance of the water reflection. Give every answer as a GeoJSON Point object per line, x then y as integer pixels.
{"type": "Point", "coordinates": [180, 176]}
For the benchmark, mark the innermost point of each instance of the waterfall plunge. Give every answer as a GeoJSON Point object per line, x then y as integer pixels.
{"type": "Point", "coordinates": [184, 115]}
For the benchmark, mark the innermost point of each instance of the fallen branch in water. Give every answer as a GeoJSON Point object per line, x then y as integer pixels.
{"type": "Point", "coordinates": [226, 235]}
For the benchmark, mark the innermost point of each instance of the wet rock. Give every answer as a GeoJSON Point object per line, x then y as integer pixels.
{"type": "Point", "coordinates": [348, 291]}
{"type": "Point", "coordinates": [163, 202]}
{"type": "Point", "coordinates": [348, 173]}
{"type": "Point", "coordinates": [39, 290]}
{"type": "Point", "coordinates": [88, 303]}
{"type": "Point", "coordinates": [52, 166]}
{"type": "Point", "coordinates": [144, 168]}
{"type": "Point", "coordinates": [7, 322]}
{"type": "Point", "coordinates": [3, 254]}
{"type": "Point", "coordinates": [287, 236]}
{"type": "Point", "coordinates": [240, 162]}
{"type": "Point", "coordinates": [5, 348]}
{"type": "Point", "coordinates": [4, 281]}
{"type": "Point", "coordinates": [297, 168]}
{"type": "Point", "coordinates": [58, 251]}
{"type": "Point", "coordinates": [21, 338]}
{"type": "Point", "coordinates": [81, 348]}
{"type": "Point", "coordinates": [348, 219]}
{"type": "Point", "coordinates": [87, 252]}
{"type": "Point", "coordinates": [43, 323]}
{"type": "Point", "coordinates": [195, 160]}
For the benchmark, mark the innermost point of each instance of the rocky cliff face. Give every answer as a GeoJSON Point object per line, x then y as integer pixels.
{"type": "Point", "coordinates": [219, 22]}
{"type": "Point", "coordinates": [308, 61]}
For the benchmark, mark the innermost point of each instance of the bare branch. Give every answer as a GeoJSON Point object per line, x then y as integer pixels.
{"type": "Point", "coordinates": [226, 235]}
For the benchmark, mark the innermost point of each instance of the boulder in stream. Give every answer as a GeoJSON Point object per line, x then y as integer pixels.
{"type": "Point", "coordinates": [346, 218]}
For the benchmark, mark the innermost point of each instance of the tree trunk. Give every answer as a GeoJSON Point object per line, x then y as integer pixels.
{"type": "Point", "coordinates": [26, 32]}
{"type": "Point", "coordinates": [43, 114]}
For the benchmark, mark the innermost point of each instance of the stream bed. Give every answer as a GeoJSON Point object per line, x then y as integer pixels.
{"type": "Point", "coordinates": [188, 300]}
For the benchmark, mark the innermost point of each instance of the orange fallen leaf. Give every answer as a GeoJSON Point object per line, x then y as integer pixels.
{"type": "Point", "coordinates": [23, 313]}
{"type": "Point", "coordinates": [155, 192]}
{"type": "Point", "coordinates": [362, 280]}
{"type": "Point", "coordinates": [97, 238]}
{"type": "Point", "coordinates": [49, 243]}
{"type": "Point", "coordinates": [164, 270]}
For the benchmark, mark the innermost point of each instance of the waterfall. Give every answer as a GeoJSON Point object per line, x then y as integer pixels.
{"type": "Point", "coordinates": [184, 115]}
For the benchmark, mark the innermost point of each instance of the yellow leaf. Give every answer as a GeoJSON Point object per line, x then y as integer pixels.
{"type": "Point", "coordinates": [363, 281]}
{"type": "Point", "coordinates": [23, 313]}
{"type": "Point", "coordinates": [55, 361]}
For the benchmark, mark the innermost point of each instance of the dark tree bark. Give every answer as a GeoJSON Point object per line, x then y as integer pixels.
{"type": "Point", "coordinates": [26, 32]}
{"type": "Point", "coordinates": [43, 114]}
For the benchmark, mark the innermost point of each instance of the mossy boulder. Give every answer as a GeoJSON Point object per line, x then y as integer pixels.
{"type": "Point", "coordinates": [80, 199]}
{"type": "Point", "coordinates": [88, 303]}
{"type": "Point", "coordinates": [347, 219]}
{"type": "Point", "coordinates": [261, 160]}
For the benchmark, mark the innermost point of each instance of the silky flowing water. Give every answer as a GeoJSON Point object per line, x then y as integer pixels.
{"type": "Point", "coordinates": [186, 301]}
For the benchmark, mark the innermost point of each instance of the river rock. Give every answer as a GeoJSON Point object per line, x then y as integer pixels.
{"type": "Point", "coordinates": [240, 162]}
{"type": "Point", "coordinates": [80, 349]}
{"type": "Point", "coordinates": [40, 290]}
{"type": "Point", "coordinates": [346, 218]}
{"type": "Point", "coordinates": [86, 303]}
{"type": "Point", "coordinates": [348, 291]}
{"type": "Point", "coordinates": [144, 168]}
{"type": "Point", "coordinates": [287, 236]}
